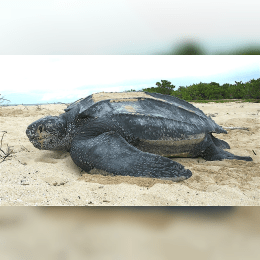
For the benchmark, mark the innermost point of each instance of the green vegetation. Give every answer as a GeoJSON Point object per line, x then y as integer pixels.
{"type": "Point", "coordinates": [165, 87]}
{"type": "Point", "coordinates": [213, 91]}
{"type": "Point", "coordinates": [250, 50]}
{"type": "Point", "coordinates": [194, 48]}
{"type": "Point", "coordinates": [227, 100]}
{"type": "Point", "coordinates": [188, 48]}
{"type": "Point", "coordinates": [208, 92]}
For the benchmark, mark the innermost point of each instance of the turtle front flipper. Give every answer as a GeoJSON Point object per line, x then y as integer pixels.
{"type": "Point", "coordinates": [112, 153]}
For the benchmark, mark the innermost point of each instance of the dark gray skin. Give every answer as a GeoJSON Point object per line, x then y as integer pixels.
{"type": "Point", "coordinates": [132, 136]}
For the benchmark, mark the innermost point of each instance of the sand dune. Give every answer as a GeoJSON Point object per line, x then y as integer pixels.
{"type": "Point", "coordinates": [33, 177]}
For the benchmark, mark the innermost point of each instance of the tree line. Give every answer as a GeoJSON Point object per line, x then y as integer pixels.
{"type": "Point", "coordinates": [209, 91]}
{"type": "Point", "coordinates": [193, 48]}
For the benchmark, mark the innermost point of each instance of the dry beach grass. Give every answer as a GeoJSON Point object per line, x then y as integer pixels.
{"type": "Point", "coordinates": [33, 177]}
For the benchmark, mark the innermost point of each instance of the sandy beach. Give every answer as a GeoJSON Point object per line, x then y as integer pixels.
{"type": "Point", "coordinates": [129, 233]}
{"type": "Point", "coordinates": [33, 177]}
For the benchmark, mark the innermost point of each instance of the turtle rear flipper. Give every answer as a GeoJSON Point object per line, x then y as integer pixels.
{"type": "Point", "coordinates": [220, 143]}
{"type": "Point", "coordinates": [215, 153]}
{"type": "Point", "coordinates": [112, 153]}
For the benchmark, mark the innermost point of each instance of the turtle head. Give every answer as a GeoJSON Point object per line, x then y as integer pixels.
{"type": "Point", "coordinates": [48, 133]}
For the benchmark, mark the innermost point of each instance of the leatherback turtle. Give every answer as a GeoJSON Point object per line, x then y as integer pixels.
{"type": "Point", "coordinates": [129, 133]}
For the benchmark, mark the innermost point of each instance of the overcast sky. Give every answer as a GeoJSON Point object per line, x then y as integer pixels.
{"type": "Point", "coordinates": [125, 26]}
{"type": "Point", "coordinates": [30, 79]}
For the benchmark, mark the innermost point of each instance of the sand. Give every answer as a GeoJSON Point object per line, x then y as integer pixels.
{"type": "Point", "coordinates": [33, 177]}
{"type": "Point", "coordinates": [129, 233]}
